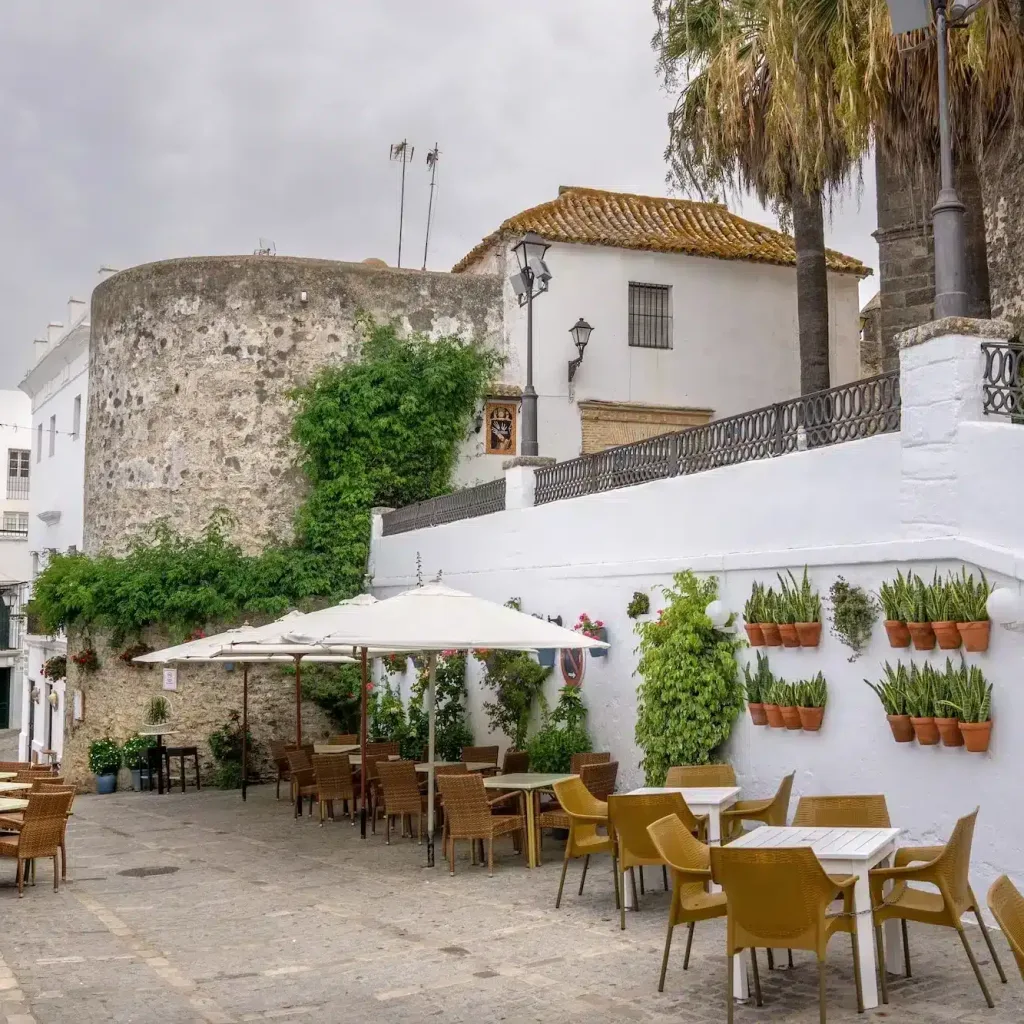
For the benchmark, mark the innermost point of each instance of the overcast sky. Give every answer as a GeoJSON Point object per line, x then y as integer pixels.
{"type": "Point", "coordinates": [141, 131]}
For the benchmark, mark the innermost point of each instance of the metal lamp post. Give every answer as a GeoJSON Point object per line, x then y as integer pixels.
{"type": "Point", "coordinates": [532, 279]}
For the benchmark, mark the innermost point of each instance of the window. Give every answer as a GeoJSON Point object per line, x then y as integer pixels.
{"type": "Point", "coordinates": [76, 417]}
{"type": "Point", "coordinates": [16, 522]}
{"type": "Point", "coordinates": [650, 315]}
{"type": "Point", "coordinates": [39, 443]}
{"type": "Point", "coordinates": [18, 461]}
{"type": "Point", "coordinates": [53, 434]}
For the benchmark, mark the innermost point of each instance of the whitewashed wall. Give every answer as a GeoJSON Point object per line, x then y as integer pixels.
{"type": "Point", "coordinates": [937, 495]}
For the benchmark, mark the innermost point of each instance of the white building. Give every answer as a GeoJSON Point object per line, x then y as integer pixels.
{"type": "Point", "coordinates": [694, 317]}
{"type": "Point", "coordinates": [57, 388]}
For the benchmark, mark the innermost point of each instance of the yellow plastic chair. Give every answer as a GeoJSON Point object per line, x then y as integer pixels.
{"type": "Point", "coordinates": [945, 867]}
{"type": "Point", "coordinates": [629, 814]}
{"type": "Point", "coordinates": [1007, 906]}
{"type": "Point", "coordinates": [699, 776]}
{"type": "Point", "coordinates": [773, 811]}
{"type": "Point", "coordinates": [690, 863]}
{"type": "Point", "coordinates": [780, 898]}
{"type": "Point", "coordinates": [584, 813]}
{"type": "Point", "coordinates": [842, 812]}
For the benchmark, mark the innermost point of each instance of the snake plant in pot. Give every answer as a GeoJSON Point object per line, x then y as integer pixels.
{"type": "Point", "coordinates": [893, 596]}
{"type": "Point", "coordinates": [786, 614]}
{"type": "Point", "coordinates": [786, 697]}
{"type": "Point", "coordinates": [939, 602]}
{"type": "Point", "coordinates": [806, 603]}
{"type": "Point", "coordinates": [753, 615]}
{"type": "Point", "coordinates": [811, 695]}
{"type": "Point", "coordinates": [772, 711]}
{"type": "Point", "coordinates": [969, 601]}
{"type": "Point", "coordinates": [921, 704]}
{"type": "Point", "coordinates": [915, 614]}
{"type": "Point", "coordinates": [945, 718]}
{"type": "Point", "coordinates": [971, 699]}
{"type": "Point", "coordinates": [891, 690]}
{"type": "Point", "coordinates": [770, 624]}
{"type": "Point", "coordinates": [757, 685]}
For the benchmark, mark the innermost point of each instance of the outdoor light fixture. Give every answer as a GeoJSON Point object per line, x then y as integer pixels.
{"type": "Point", "coordinates": [1006, 609]}
{"type": "Point", "coordinates": [580, 332]}
{"type": "Point", "coordinates": [53, 699]}
{"type": "Point", "coordinates": [532, 279]}
{"type": "Point", "coordinates": [718, 614]}
{"type": "Point", "coordinates": [34, 694]}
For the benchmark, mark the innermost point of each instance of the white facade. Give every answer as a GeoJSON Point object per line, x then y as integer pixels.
{"type": "Point", "coordinates": [935, 495]}
{"type": "Point", "coordinates": [57, 387]}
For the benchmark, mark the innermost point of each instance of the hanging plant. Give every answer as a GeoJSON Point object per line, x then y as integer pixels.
{"type": "Point", "coordinates": [129, 654]}
{"type": "Point", "coordinates": [854, 612]}
{"type": "Point", "coordinates": [86, 659]}
{"type": "Point", "coordinates": [395, 664]}
{"type": "Point", "coordinates": [639, 605]}
{"type": "Point", "coordinates": [55, 668]}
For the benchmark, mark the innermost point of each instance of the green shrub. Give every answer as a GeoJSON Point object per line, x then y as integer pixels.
{"type": "Point", "coordinates": [854, 612]}
{"type": "Point", "coordinates": [134, 752]}
{"type": "Point", "coordinates": [516, 680]}
{"type": "Point", "coordinates": [451, 730]}
{"type": "Point", "coordinates": [226, 742]}
{"type": "Point", "coordinates": [104, 757]}
{"type": "Point", "coordinates": [562, 734]}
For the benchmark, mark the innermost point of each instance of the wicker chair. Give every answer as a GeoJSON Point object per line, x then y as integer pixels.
{"type": "Point", "coordinates": [700, 776]}
{"type": "Point", "coordinates": [34, 774]}
{"type": "Point", "coordinates": [371, 765]}
{"type": "Point", "coordinates": [401, 796]}
{"type": "Point", "coordinates": [41, 833]}
{"type": "Point", "coordinates": [468, 812]}
{"type": "Point", "coordinates": [13, 766]}
{"type": "Point", "coordinates": [303, 778]}
{"type": "Point", "coordinates": [488, 754]}
{"type": "Point", "coordinates": [947, 868]}
{"type": "Point", "coordinates": [439, 770]}
{"type": "Point", "coordinates": [781, 898]}
{"type": "Point", "coordinates": [333, 777]}
{"type": "Point", "coordinates": [343, 739]}
{"type": "Point", "coordinates": [279, 753]}
{"type": "Point", "coordinates": [577, 761]}
{"type": "Point", "coordinates": [514, 762]}
{"type": "Point", "coordinates": [13, 820]}
{"type": "Point", "coordinates": [1007, 906]}
{"type": "Point", "coordinates": [386, 747]}
{"type": "Point", "coordinates": [583, 815]}
{"type": "Point", "coordinates": [773, 811]}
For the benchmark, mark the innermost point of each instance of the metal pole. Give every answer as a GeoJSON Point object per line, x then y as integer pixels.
{"type": "Point", "coordinates": [245, 726]}
{"type": "Point", "coordinates": [362, 748]}
{"type": "Point", "coordinates": [430, 203]}
{"type": "Point", "coordinates": [298, 701]}
{"type": "Point", "coordinates": [431, 671]}
{"type": "Point", "coordinates": [401, 208]}
{"type": "Point", "coordinates": [948, 211]}
{"type": "Point", "coordinates": [529, 445]}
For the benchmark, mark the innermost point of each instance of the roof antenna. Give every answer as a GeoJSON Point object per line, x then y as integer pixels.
{"type": "Point", "coordinates": [266, 247]}
{"type": "Point", "coordinates": [401, 151]}
{"type": "Point", "coordinates": [419, 570]}
{"type": "Point", "coordinates": [432, 157]}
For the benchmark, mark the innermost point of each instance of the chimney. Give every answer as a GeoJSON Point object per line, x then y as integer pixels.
{"type": "Point", "coordinates": [39, 347]}
{"type": "Point", "coordinates": [53, 332]}
{"type": "Point", "coordinates": [77, 309]}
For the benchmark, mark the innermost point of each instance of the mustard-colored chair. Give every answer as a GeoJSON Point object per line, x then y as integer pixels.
{"type": "Point", "coordinates": [773, 811]}
{"type": "Point", "coordinates": [690, 863]}
{"type": "Point", "coordinates": [700, 776]}
{"type": "Point", "coordinates": [842, 812]}
{"type": "Point", "coordinates": [1007, 906]}
{"type": "Point", "coordinates": [780, 898]}
{"type": "Point", "coordinates": [947, 868]}
{"type": "Point", "coordinates": [584, 814]}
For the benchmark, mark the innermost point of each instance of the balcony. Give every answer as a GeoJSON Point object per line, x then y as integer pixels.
{"type": "Point", "coordinates": [17, 487]}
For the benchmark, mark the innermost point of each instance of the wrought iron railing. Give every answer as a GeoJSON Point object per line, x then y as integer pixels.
{"type": "Point", "coordinates": [12, 533]}
{"type": "Point", "coordinates": [17, 487]}
{"type": "Point", "coordinates": [1003, 379]}
{"type": "Point", "coordinates": [473, 501]}
{"type": "Point", "coordinates": [861, 409]}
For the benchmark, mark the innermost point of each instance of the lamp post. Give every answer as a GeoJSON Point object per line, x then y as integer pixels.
{"type": "Point", "coordinates": [532, 280]}
{"type": "Point", "coordinates": [580, 332]}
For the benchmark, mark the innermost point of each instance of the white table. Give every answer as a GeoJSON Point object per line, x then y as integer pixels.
{"type": "Point", "coordinates": [14, 787]}
{"type": "Point", "coordinates": [6, 806]}
{"type": "Point", "coordinates": [842, 851]}
{"type": "Point", "coordinates": [335, 748]}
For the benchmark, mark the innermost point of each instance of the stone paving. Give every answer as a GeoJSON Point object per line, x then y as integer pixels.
{"type": "Point", "coordinates": [256, 917]}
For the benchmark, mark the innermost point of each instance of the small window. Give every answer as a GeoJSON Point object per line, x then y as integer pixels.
{"type": "Point", "coordinates": [53, 434]}
{"type": "Point", "coordinates": [39, 443]}
{"type": "Point", "coordinates": [76, 417]}
{"type": "Point", "coordinates": [18, 462]}
{"type": "Point", "coordinates": [650, 315]}
{"type": "Point", "coordinates": [15, 522]}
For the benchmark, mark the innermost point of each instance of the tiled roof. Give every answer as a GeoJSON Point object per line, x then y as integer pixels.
{"type": "Point", "coordinates": [590, 216]}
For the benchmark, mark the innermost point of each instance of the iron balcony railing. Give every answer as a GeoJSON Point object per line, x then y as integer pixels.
{"type": "Point", "coordinates": [473, 501]}
{"type": "Point", "coordinates": [17, 487]}
{"type": "Point", "coordinates": [13, 534]}
{"type": "Point", "coordinates": [1003, 379]}
{"type": "Point", "coordinates": [861, 409]}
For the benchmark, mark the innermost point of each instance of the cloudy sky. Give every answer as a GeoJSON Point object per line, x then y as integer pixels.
{"type": "Point", "coordinates": [140, 131]}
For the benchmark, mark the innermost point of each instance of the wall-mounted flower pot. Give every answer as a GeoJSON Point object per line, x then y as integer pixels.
{"type": "Point", "coordinates": [811, 718]}
{"type": "Point", "coordinates": [754, 634]}
{"type": "Point", "coordinates": [773, 713]}
{"type": "Point", "coordinates": [757, 714]}
{"type": "Point", "coordinates": [600, 652]}
{"type": "Point", "coordinates": [976, 735]}
{"type": "Point", "coordinates": [922, 634]}
{"type": "Point", "coordinates": [808, 633]}
{"type": "Point", "coordinates": [949, 730]}
{"type": "Point", "coordinates": [546, 657]}
{"type": "Point", "coordinates": [947, 635]}
{"type": "Point", "coordinates": [902, 729]}
{"type": "Point", "coordinates": [106, 783]}
{"type": "Point", "coordinates": [770, 632]}
{"type": "Point", "coordinates": [790, 638]}
{"type": "Point", "coordinates": [926, 731]}
{"type": "Point", "coordinates": [897, 632]}
{"type": "Point", "coordinates": [791, 717]}
{"type": "Point", "coordinates": [975, 635]}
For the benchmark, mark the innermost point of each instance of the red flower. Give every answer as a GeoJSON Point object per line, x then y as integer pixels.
{"type": "Point", "coordinates": [369, 687]}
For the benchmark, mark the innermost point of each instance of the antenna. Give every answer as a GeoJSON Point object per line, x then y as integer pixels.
{"type": "Point", "coordinates": [266, 247]}
{"type": "Point", "coordinates": [432, 157]}
{"type": "Point", "coordinates": [419, 570]}
{"type": "Point", "coordinates": [401, 151]}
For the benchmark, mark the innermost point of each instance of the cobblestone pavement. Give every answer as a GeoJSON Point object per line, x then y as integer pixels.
{"type": "Point", "coordinates": [8, 744]}
{"type": "Point", "coordinates": [257, 917]}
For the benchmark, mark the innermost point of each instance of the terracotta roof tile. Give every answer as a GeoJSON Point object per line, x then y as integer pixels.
{"type": "Point", "coordinates": [589, 216]}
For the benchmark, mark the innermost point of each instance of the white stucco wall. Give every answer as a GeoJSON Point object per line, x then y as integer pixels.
{"type": "Point", "coordinates": [15, 433]}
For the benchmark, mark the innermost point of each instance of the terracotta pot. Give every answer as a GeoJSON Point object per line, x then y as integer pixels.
{"type": "Point", "coordinates": [787, 630]}
{"type": "Point", "coordinates": [926, 731]}
{"type": "Point", "coordinates": [791, 717]}
{"type": "Point", "coordinates": [899, 635]}
{"type": "Point", "coordinates": [922, 634]}
{"type": "Point", "coordinates": [902, 730]}
{"type": "Point", "coordinates": [975, 635]}
{"type": "Point", "coordinates": [809, 633]}
{"type": "Point", "coordinates": [770, 632]}
{"type": "Point", "coordinates": [976, 735]}
{"type": "Point", "coordinates": [947, 635]}
{"type": "Point", "coordinates": [949, 730]}
{"type": "Point", "coordinates": [757, 714]}
{"type": "Point", "coordinates": [773, 714]}
{"type": "Point", "coordinates": [810, 718]}
{"type": "Point", "coordinates": [755, 634]}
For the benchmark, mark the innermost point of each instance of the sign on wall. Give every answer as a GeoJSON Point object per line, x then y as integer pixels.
{"type": "Point", "coordinates": [572, 661]}
{"type": "Point", "coordinates": [170, 679]}
{"type": "Point", "coordinates": [500, 424]}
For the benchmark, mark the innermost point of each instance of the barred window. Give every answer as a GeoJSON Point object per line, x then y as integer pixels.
{"type": "Point", "coordinates": [17, 472]}
{"type": "Point", "coordinates": [650, 315]}
{"type": "Point", "coordinates": [15, 522]}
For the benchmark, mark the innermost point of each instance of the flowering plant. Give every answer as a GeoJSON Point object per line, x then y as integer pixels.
{"type": "Point", "coordinates": [197, 634]}
{"type": "Point", "coordinates": [56, 667]}
{"type": "Point", "coordinates": [129, 654]}
{"type": "Point", "coordinates": [394, 664]}
{"type": "Point", "coordinates": [589, 627]}
{"type": "Point", "coordinates": [86, 659]}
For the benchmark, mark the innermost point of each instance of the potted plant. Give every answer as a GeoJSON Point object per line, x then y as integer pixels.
{"type": "Point", "coordinates": [915, 614]}
{"type": "Point", "coordinates": [86, 659]}
{"type": "Point", "coordinates": [546, 656]}
{"type": "Point", "coordinates": [893, 596]}
{"type": "Point", "coordinates": [769, 626]}
{"type": "Point", "coordinates": [949, 727]}
{"type": "Point", "coordinates": [972, 702]}
{"type": "Point", "coordinates": [921, 704]}
{"type": "Point", "coordinates": [104, 763]}
{"type": "Point", "coordinates": [135, 756]}
{"type": "Point", "coordinates": [786, 697]}
{"type": "Point", "coordinates": [939, 602]}
{"type": "Point", "coordinates": [772, 711]}
{"type": "Point", "coordinates": [596, 629]}
{"type": "Point", "coordinates": [891, 690]}
{"type": "Point", "coordinates": [785, 615]}
{"type": "Point", "coordinates": [757, 685]}
{"type": "Point", "coordinates": [56, 667]}
{"type": "Point", "coordinates": [395, 664]}
{"type": "Point", "coordinates": [812, 695]}
{"type": "Point", "coordinates": [806, 610]}
{"type": "Point", "coordinates": [854, 612]}
{"type": "Point", "coordinates": [158, 711]}
{"type": "Point", "coordinates": [640, 604]}
{"type": "Point", "coordinates": [136, 650]}
{"type": "Point", "coordinates": [969, 605]}
{"type": "Point", "coordinates": [753, 615]}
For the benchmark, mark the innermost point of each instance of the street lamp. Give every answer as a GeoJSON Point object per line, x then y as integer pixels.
{"type": "Point", "coordinates": [532, 279]}
{"type": "Point", "coordinates": [948, 211]}
{"type": "Point", "coordinates": [580, 332]}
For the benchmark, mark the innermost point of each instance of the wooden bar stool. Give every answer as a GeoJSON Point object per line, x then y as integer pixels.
{"type": "Point", "coordinates": [183, 753]}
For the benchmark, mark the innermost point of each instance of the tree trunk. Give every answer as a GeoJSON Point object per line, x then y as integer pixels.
{"type": "Point", "coordinates": [811, 291]}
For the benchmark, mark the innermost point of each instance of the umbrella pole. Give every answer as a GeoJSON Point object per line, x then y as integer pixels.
{"type": "Point", "coordinates": [298, 701]}
{"type": "Point", "coordinates": [362, 747]}
{"type": "Point", "coordinates": [431, 669]}
{"type": "Point", "coordinates": [245, 726]}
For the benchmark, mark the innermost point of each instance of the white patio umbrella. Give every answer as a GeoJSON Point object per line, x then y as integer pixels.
{"type": "Point", "coordinates": [434, 618]}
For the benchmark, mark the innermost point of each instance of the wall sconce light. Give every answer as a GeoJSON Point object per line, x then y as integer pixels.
{"type": "Point", "coordinates": [53, 699]}
{"type": "Point", "coordinates": [580, 332]}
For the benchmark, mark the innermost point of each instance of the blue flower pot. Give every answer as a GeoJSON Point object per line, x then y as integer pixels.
{"type": "Point", "coordinates": [600, 652]}
{"type": "Point", "coordinates": [106, 783]}
{"type": "Point", "coordinates": [546, 657]}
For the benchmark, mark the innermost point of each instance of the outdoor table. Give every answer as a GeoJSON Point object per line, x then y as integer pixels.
{"type": "Point", "coordinates": [11, 804]}
{"type": "Point", "coordinates": [14, 787]}
{"type": "Point", "coordinates": [6, 776]}
{"type": "Point", "coordinates": [159, 731]}
{"type": "Point", "coordinates": [334, 748]}
{"type": "Point", "coordinates": [842, 851]}
{"type": "Point", "coordinates": [471, 766]}
{"type": "Point", "coordinates": [530, 784]}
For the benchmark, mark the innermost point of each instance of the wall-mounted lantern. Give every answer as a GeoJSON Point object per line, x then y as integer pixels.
{"type": "Point", "coordinates": [580, 332]}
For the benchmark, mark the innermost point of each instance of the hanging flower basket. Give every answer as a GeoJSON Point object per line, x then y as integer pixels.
{"type": "Point", "coordinates": [86, 659]}
{"type": "Point", "coordinates": [595, 629]}
{"type": "Point", "coordinates": [55, 668]}
{"type": "Point", "coordinates": [546, 657]}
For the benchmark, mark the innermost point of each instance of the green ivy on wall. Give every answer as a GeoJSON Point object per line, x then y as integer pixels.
{"type": "Point", "coordinates": [689, 694]}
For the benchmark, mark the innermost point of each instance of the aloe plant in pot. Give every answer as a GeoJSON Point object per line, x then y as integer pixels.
{"type": "Point", "coordinates": [893, 597]}
{"type": "Point", "coordinates": [812, 695]}
{"type": "Point", "coordinates": [891, 690]}
{"type": "Point", "coordinates": [971, 699]}
{"type": "Point", "coordinates": [968, 601]}
{"type": "Point", "coordinates": [921, 704]}
{"type": "Point", "coordinates": [753, 615]}
{"type": "Point", "coordinates": [757, 685]}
